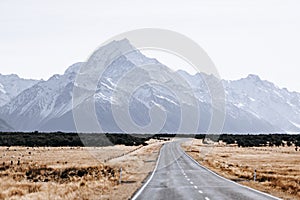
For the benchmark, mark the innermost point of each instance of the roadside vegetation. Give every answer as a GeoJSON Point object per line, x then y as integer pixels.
{"type": "Point", "coordinates": [261, 140]}
{"type": "Point", "coordinates": [267, 164]}
{"type": "Point", "coordinates": [76, 166]}
{"type": "Point", "coordinates": [57, 139]}
{"type": "Point", "coordinates": [69, 172]}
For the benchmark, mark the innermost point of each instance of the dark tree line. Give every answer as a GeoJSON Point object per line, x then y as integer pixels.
{"type": "Point", "coordinates": [106, 139]}
{"type": "Point", "coordinates": [58, 139]}
{"type": "Point", "coordinates": [251, 140]}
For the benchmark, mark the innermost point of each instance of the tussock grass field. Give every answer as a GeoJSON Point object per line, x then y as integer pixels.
{"type": "Point", "coordinates": [74, 172]}
{"type": "Point", "coordinates": [277, 168]}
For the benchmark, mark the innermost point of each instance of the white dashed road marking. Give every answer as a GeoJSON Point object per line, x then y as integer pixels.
{"type": "Point", "coordinates": [200, 191]}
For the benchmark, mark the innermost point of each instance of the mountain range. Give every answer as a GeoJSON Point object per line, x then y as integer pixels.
{"type": "Point", "coordinates": [252, 105]}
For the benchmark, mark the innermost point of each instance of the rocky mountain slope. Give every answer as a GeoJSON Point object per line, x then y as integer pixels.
{"type": "Point", "coordinates": [11, 86]}
{"type": "Point", "coordinates": [251, 104]}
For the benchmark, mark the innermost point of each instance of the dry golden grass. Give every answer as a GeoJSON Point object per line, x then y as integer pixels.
{"type": "Point", "coordinates": [73, 173]}
{"type": "Point", "coordinates": [136, 167]}
{"type": "Point", "coordinates": [278, 168]}
{"type": "Point", "coordinates": [62, 156]}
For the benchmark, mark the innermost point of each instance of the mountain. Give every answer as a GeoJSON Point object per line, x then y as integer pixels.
{"type": "Point", "coordinates": [4, 126]}
{"type": "Point", "coordinates": [11, 86]}
{"type": "Point", "coordinates": [43, 101]}
{"type": "Point", "coordinates": [237, 118]}
{"type": "Point", "coordinates": [251, 104]}
{"type": "Point", "coordinates": [279, 107]}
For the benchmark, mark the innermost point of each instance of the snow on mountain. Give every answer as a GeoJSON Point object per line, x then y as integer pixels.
{"type": "Point", "coordinates": [262, 98]}
{"type": "Point", "coordinates": [11, 86]}
{"type": "Point", "coordinates": [2, 89]}
{"type": "Point", "coordinates": [252, 104]}
{"type": "Point", "coordinates": [43, 101]}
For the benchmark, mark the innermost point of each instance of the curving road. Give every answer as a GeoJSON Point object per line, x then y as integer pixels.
{"type": "Point", "coordinates": [178, 176]}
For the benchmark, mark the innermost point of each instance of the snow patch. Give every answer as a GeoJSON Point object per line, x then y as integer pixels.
{"type": "Point", "coordinates": [110, 82]}
{"type": "Point", "coordinates": [295, 124]}
{"type": "Point", "coordinates": [158, 105]}
{"type": "Point", "coordinates": [253, 113]}
{"type": "Point", "coordinates": [2, 89]}
{"type": "Point", "coordinates": [290, 104]}
{"type": "Point", "coordinates": [167, 99]}
{"type": "Point", "coordinates": [107, 86]}
{"type": "Point", "coordinates": [101, 96]}
{"type": "Point", "coordinates": [239, 105]}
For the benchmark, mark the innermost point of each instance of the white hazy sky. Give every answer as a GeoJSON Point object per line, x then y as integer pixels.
{"type": "Point", "coordinates": [42, 38]}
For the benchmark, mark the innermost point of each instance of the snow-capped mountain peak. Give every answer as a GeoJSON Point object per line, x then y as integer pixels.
{"type": "Point", "coordinates": [252, 104]}
{"type": "Point", "coordinates": [11, 86]}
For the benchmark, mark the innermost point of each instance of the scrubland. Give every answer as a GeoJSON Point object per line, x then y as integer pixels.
{"type": "Point", "coordinates": [75, 172]}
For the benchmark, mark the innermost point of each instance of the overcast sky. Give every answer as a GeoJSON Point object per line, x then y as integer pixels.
{"type": "Point", "coordinates": [42, 38]}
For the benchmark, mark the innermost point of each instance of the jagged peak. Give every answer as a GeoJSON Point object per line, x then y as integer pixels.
{"type": "Point", "coordinates": [119, 45]}
{"type": "Point", "coordinates": [253, 77]}
{"type": "Point", "coordinates": [10, 76]}
{"type": "Point", "coordinates": [74, 68]}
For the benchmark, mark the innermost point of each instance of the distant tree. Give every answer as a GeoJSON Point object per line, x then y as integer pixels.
{"type": "Point", "coordinates": [277, 143]}
{"type": "Point", "coordinates": [271, 144]}
{"type": "Point", "coordinates": [240, 143]}
{"type": "Point", "coordinates": [229, 140]}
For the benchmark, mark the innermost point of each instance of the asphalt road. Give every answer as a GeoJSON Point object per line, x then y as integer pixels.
{"type": "Point", "coordinates": [177, 176]}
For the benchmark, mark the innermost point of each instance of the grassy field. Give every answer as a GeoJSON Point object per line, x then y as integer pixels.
{"type": "Point", "coordinates": [75, 172]}
{"type": "Point", "coordinates": [277, 168]}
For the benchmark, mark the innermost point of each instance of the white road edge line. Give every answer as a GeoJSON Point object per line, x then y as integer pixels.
{"type": "Point", "coordinates": [150, 178]}
{"type": "Point", "coordinates": [228, 179]}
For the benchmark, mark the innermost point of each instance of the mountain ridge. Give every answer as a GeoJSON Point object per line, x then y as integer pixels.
{"type": "Point", "coordinates": [11, 85]}
{"type": "Point", "coordinates": [252, 104]}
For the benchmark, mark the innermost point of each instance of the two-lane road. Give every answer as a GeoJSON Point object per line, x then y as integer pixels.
{"type": "Point", "coordinates": [177, 176]}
